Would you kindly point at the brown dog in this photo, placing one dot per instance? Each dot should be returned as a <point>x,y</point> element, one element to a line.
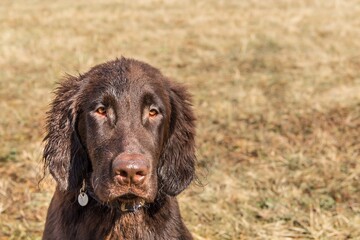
<point>120,144</point>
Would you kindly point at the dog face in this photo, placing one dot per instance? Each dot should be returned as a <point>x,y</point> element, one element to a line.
<point>123,124</point>
<point>126,129</point>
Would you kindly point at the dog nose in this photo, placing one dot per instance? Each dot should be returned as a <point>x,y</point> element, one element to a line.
<point>130,168</point>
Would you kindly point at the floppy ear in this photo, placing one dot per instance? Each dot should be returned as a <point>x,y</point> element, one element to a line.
<point>177,163</point>
<point>63,152</point>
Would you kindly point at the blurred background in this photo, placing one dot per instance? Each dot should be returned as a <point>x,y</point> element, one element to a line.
<point>276,88</point>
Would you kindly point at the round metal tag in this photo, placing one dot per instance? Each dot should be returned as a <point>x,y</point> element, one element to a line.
<point>83,199</point>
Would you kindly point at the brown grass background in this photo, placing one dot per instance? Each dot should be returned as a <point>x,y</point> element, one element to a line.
<point>276,90</point>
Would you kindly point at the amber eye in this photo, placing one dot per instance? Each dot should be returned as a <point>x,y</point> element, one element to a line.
<point>101,111</point>
<point>153,112</point>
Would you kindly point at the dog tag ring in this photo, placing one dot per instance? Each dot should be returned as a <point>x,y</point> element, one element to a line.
<point>83,198</point>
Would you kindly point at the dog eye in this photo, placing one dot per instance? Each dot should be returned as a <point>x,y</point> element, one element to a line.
<point>101,111</point>
<point>153,112</point>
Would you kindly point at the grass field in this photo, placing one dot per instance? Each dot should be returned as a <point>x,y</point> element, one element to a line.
<point>276,88</point>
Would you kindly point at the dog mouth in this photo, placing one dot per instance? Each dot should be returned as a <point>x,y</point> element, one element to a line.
<point>128,197</point>
<point>130,202</point>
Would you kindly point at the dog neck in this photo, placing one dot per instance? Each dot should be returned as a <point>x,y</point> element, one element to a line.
<point>115,224</point>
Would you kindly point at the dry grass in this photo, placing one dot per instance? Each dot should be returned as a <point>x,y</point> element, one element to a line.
<point>276,88</point>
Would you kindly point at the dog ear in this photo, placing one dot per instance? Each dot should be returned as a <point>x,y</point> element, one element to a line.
<point>63,152</point>
<point>177,162</point>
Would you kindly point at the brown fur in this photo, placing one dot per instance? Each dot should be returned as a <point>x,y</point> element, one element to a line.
<point>81,144</point>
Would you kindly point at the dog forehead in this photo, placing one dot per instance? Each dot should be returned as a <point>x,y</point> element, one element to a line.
<point>123,73</point>
<point>123,80</point>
